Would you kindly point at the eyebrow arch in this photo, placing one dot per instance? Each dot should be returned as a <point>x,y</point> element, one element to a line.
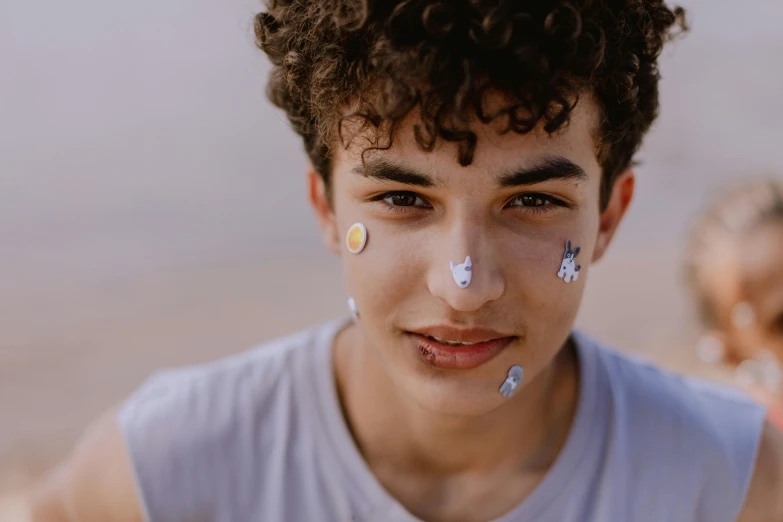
<point>556,168</point>
<point>383,170</point>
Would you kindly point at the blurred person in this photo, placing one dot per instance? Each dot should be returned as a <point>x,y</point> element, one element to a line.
<point>469,162</point>
<point>735,268</point>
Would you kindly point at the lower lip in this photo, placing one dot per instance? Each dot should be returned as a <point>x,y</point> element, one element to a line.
<point>463,357</point>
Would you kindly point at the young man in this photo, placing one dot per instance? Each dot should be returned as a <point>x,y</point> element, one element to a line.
<point>470,161</point>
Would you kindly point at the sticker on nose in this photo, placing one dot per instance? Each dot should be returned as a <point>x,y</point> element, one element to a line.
<point>462,273</point>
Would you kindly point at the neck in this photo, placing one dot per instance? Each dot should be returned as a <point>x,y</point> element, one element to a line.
<point>525,434</point>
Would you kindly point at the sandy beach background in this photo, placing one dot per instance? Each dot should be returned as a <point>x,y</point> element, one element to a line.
<point>153,212</point>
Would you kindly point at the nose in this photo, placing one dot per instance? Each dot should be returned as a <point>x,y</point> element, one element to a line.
<point>465,290</point>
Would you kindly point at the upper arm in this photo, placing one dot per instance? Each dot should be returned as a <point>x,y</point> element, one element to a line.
<point>764,501</point>
<point>95,484</point>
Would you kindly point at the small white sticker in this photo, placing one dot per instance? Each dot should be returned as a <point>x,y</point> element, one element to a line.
<point>569,270</point>
<point>352,306</point>
<point>512,382</point>
<point>462,273</point>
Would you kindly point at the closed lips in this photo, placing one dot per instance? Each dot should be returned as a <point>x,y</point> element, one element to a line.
<point>460,336</point>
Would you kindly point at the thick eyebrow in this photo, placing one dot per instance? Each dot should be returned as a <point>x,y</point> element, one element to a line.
<point>556,168</point>
<point>384,170</point>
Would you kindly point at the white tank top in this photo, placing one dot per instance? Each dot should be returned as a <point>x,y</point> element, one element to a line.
<point>260,437</point>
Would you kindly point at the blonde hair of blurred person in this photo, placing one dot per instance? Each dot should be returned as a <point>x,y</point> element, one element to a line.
<point>735,270</point>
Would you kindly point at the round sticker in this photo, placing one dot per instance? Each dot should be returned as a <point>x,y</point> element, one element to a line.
<point>356,238</point>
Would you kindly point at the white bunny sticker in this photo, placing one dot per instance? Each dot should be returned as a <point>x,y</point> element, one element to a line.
<point>569,270</point>
<point>462,272</point>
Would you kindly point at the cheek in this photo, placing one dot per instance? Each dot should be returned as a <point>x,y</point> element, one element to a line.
<point>532,266</point>
<point>386,272</point>
<point>532,259</point>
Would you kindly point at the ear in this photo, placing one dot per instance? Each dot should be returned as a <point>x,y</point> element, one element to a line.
<point>467,261</point>
<point>568,245</point>
<point>452,265</point>
<point>576,252</point>
<point>323,211</point>
<point>620,199</point>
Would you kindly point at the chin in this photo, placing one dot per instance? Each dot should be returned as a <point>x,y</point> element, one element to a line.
<point>450,394</point>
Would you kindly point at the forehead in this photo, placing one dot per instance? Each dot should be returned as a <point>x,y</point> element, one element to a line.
<point>495,150</point>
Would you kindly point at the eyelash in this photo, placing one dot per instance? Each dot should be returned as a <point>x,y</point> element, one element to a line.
<point>549,202</point>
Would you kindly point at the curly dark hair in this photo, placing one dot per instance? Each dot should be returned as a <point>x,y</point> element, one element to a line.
<point>373,62</point>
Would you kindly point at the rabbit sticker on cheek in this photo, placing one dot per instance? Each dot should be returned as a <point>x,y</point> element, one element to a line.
<point>569,270</point>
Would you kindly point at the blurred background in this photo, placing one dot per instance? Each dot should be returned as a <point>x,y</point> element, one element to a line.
<point>153,209</point>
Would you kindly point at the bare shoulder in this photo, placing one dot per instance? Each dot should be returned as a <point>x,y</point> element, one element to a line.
<point>95,483</point>
<point>764,501</point>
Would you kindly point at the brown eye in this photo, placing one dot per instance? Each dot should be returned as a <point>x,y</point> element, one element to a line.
<point>405,199</point>
<point>533,201</point>
<point>402,200</point>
